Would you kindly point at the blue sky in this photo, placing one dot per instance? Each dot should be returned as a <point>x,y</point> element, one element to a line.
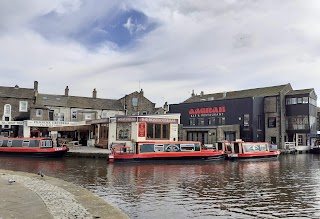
<point>167,48</point>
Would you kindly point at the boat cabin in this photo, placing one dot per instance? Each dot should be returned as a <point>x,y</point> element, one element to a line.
<point>26,142</point>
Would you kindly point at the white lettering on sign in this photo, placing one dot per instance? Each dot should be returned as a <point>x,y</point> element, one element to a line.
<point>11,122</point>
<point>158,120</point>
<point>39,123</point>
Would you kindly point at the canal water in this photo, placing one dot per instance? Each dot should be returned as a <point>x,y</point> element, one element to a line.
<point>285,188</point>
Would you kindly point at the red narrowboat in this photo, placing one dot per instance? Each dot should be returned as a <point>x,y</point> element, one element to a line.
<point>175,150</point>
<point>34,147</point>
<point>248,150</point>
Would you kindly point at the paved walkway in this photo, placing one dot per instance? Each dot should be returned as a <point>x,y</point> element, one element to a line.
<point>30,196</point>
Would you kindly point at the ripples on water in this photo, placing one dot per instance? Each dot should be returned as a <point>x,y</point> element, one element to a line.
<point>284,188</point>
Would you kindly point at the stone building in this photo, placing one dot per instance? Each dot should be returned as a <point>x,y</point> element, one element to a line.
<point>26,111</point>
<point>275,114</point>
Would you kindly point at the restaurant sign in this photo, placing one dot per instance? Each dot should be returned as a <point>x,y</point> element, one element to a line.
<point>38,123</point>
<point>11,122</point>
<point>208,111</point>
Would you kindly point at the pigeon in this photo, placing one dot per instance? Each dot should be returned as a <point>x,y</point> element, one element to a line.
<point>40,174</point>
<point>10,181</point>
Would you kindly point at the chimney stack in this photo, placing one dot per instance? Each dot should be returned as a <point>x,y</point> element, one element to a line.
<point>66,91</point>
<point>35,85</point>
<point>94,93</point>
<point>192,94</point>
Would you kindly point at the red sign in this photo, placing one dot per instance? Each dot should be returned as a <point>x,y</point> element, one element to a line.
<point>208,110</point>
<point>142,129</point>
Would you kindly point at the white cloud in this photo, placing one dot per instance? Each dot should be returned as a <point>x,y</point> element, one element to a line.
<point>208,45</point>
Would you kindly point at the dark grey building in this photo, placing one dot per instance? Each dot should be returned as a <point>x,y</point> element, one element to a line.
<point>275,114</point>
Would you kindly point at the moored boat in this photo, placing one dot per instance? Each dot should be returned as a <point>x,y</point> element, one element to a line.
<point>248,150</point>
<point>143,151</point>
<point>315,149</point>
<point>35,147</point>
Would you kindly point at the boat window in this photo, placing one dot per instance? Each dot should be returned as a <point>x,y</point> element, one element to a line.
<point>187,147</point>
<point>9,144</point>
<point>146,148</point>
<point>158,147</point>
<point>263,147</point>
<point>25,143</point>
<point>46,143</point>
<point>1,142</point>
<point>254,147</point>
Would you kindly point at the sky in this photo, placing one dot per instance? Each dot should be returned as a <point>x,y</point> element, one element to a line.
<point>167,48</point>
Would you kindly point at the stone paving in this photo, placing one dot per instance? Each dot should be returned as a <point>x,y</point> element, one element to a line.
<point>52,200</point>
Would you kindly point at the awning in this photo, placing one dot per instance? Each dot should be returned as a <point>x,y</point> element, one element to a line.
<point>71,128</point>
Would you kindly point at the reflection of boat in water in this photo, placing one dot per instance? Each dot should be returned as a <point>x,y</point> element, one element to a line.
<point>35,147</point>
<point>249,150</point>
<point>143,151</point>
<point>315,149</point>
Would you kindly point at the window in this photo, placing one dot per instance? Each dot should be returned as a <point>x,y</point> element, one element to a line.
<point>1,142</point>
<point>123,131</point>
<point>9,144</point>
<point>104,115</point>
<point>273,140</point>
<point>192,121</point>
<point>288,101</point>
<point>246,120</point>
<point>134,101</point>
<point>50,114</point>
<point>74,114</point>
<point>87,116</point>
<point>200,121</point>
<point>144,113</point>
<point>59,116</point>
<point>272,122</point>
<point>293,100</point>
<point>7,110</point>
<point>23,106</point>
<point>39,112</point>
<point>157,131</point>
<point>211,121</point>
<point>221,120</point>
<point>25,143</point>
<point>305,100</point>
<point>300,137</point>
<point>299,100</point>
<point>297,122</point>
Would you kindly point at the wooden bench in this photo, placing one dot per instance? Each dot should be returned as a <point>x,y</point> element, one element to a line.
<point>74,144</point>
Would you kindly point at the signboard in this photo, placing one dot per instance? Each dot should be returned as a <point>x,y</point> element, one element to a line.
<point>126,119</point>
<point>142,129</point>
<point>38,123</point>
<point>158,120</point>
<point>11,122</point>
<point>97,121</point>
<point>207,111</point>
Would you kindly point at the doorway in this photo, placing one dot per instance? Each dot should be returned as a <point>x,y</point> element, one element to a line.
<point>201,136</point>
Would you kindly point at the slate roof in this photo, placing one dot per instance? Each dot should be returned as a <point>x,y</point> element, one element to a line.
<point>78,102</point>
<point>304,91</point>
<point>16,92</point>
<point>255,92</point>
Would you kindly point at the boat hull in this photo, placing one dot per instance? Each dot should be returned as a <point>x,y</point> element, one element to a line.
<point>260,155</point>
<point>52,152</point>
<point>207,156</point>
<point>315,150</point>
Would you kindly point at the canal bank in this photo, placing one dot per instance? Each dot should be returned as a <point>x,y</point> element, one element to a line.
<point>26,195</point>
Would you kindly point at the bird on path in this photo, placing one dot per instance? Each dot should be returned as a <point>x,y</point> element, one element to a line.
<point>40,174</point>
<point>10,181</point>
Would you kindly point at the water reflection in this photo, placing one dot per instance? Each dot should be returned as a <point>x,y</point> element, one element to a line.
<point>282,188</point>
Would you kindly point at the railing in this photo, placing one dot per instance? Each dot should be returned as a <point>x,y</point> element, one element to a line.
<point>290,145</point>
